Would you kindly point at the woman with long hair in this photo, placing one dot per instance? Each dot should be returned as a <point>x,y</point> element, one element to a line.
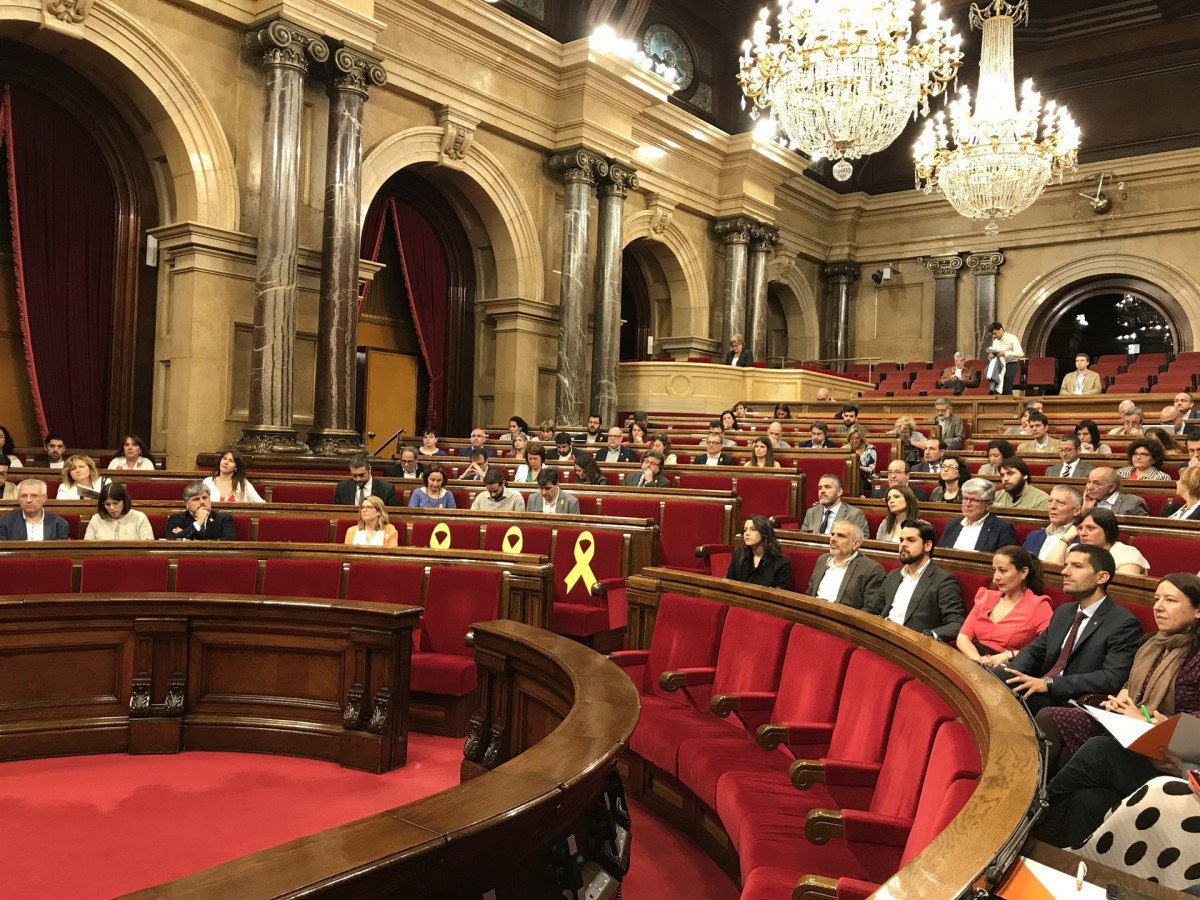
<point>760,560</point>
<point>7,448</point>
<point>373,529</point>
<point>729,421</point>
<point>637,434</point>
<point>115,519</point>
<point>1088,433</point>
<point>902,505</point>
<point>1010,614</point>
<point>80,479</point>
<point>761,455</point>
<point>662,444</point>
<point>516,425</point>
<point>535,458</point>
<point>866,457</point>
<point>587,471</point>
<point>434,494</point>
<point>520,443</point>
<point>228,482</point>
<point>134,455</point>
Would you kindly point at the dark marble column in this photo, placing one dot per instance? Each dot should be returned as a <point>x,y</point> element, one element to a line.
<point>606,317</point>
<point>579,169</point>
<point>762,242</point>
<point>945,271</point>
<point>840,276</point>
<point>351,73</point>
<point>286,50</point>
<point>735,235</point>
<point>986,268</point>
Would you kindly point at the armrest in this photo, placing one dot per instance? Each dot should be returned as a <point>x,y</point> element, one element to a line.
<point>771,736</point>
<point>864,827</point>
<point>748,701</point>
<point>851,774</point>
<point>804,773</point>
<point>704,551</point>
<point>815,887</point>
<point>604,585</point>
<point>853,889</point>
<point>822,825</point>
<point>674,679</point>
<point>627,659</point>
<point>790,523</point>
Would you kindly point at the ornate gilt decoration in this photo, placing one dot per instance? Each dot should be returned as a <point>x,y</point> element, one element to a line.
<point>174,702</point>
<point>352,714</point>
<point>618,181</point>
<point>335,443</point>
<point>139,697</point>
<point>458,133</point>
<point>379,716</point>
<point>842,272</point>
<point>944,266</point>
<point>985,263</point>
<point>69,12</point>
<point>283,43</point>
<point>579,166</point>
<point>351,70</point>
<point>269,439</point>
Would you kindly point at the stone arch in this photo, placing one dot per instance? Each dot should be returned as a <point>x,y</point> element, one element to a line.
<point>1035,301</point>
<point>482,181</point>
<point>799,307</point>
<point>151,83</point>
<point>682,268</point>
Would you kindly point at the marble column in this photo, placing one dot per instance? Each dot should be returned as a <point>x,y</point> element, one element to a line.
<point>986,268</point>
<point>840,275</point>
<point>762,242</point>
<point>945,271</point>
<point>579,169</point>
<point>735,235</point>
<point>606,316</point>
<point>351,73</point>
<point>285,50</point>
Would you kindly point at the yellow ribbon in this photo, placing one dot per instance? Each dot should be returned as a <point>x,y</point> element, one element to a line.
<point>441,530</point>
<point>583,556</point>
<point>513,546</point>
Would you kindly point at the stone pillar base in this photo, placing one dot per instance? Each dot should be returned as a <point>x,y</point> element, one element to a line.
<point>269,439</point>
<point>335,442</point>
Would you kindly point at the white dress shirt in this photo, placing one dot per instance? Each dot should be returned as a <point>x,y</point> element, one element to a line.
<point>835,574</point>
<point>1053,533</point>
<point>904,593</point>
<point>712,460</point>
<point>1185,511</point>
<point>1079,382</point>
<point>969,536</point>
<point>35,531</point>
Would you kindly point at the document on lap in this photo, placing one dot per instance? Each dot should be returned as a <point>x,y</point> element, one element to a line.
<point>1180,734</point>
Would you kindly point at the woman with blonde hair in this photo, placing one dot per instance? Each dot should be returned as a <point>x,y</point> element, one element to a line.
<point>911,440</point>
<point>373,529</point>
<point>81,480</point>
<point>856,443</point>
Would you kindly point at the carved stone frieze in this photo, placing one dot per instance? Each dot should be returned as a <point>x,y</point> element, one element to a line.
<point>283,43</point>
<point>662,212</point>
<point>985,263</point>
<point>458,133</point>
<point>69,12</point>
<point>944,266</point>
<point>579,165</point>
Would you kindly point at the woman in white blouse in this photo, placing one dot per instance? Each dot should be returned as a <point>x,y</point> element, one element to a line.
<point>373,529</point>
<point>81,480</point>
<point>135,455</point>
<point>228,484</point>
<point>116,520</point>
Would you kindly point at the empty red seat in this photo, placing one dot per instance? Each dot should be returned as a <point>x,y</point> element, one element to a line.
<point>631,507</point>
<point>444,535</point>
<point>197,575</point>
<point>379,582</point>
<point>803,562</point>
<point>1168,554</point>
<point>455,599</point>
<point>286,529</point>
<point>1042,371</point>
<point>687,525</point>
<point>583,558</point>
<point>153,489</point>
<point>302,493</point>
<point>137,574</point>
<point>51,575</point>
<point>764,495</point>
<point>318,578</point>
<point>507,537</point>
<point>158,524</point>
<point>706,482</point>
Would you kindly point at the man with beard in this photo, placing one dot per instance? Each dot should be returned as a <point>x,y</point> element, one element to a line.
<point>1018,493</point>
<point>920,595</point>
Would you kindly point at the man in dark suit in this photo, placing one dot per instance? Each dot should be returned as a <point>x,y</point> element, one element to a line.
<point>652,462</point>
<point>360,484</point>
<point>978,529</point>
<point>738,355</point>
<point>615,451</point>
<point>408,467</point>
<point>829,508</point>
<point>843,575</point>
<point>31,522</point>
<point>198,522</point>
<point>713,455</point>
<point>920,595</point>
<point>1071,466</point>
<point>1103,488</point>
<point>1089,645</point>
<point>818,438</point>
<point>934,451</point>
<point>897,476</point>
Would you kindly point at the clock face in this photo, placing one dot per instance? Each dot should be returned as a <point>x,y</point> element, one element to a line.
<point>667,46</point>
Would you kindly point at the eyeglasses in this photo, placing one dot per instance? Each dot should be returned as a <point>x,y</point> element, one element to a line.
<point>1140,453</point>
<point>973,500</point>
<point>948,466</point>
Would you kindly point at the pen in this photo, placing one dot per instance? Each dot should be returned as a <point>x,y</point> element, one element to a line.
<point>1146,713</point>
<point>1082,870</point>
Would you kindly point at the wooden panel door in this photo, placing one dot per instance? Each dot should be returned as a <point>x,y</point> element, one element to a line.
<point>391,396</point>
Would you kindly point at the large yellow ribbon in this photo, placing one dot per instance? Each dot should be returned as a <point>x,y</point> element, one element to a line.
<point>583,556</point>
<point>510,545</point>
<point>442,531</point>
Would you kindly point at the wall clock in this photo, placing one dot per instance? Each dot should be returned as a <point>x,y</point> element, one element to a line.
<point>667,45</point>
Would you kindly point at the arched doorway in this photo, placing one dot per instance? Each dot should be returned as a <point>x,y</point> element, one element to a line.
<point>1106,315</point>
<point>635,310</point>
<point>778,346</point>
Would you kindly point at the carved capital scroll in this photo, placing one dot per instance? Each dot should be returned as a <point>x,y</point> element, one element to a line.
<point>352,70</point>
<point>944,266</point>
<point>579,165</point>
<point>283,43</point>
<point>985,263</point>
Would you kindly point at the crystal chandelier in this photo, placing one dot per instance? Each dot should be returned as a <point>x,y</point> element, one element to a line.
<point>845,75</point>
<point>999,167</point>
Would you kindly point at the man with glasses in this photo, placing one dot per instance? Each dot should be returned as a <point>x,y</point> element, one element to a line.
<point>1071,466</point>
<point>897,476</point>
<point>950,425</point>
<point>978,529</point>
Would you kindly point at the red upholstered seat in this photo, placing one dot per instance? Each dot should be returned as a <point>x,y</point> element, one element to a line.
<point>576,552</point>
<point>340,527</point>
<point>158,524</point>
<point>1167,554</point>
<point>630,507</point>
<point>291,530</point>
<point>196,575</point>
<point>1155,500</point>
<point>51,575</point>
<point>530,538</point>
<point>763,495</point>
<point>241,525</point>
<point>587,504</point>
<point>302,493</point>
<point>377,582</point>
<point>706,482</point>
<point>124,574</point>
<point>73,531</point>
<point>1024,529</point>
<point>462,535</point>
<point>970,584</point>
<point>148,489</point>
<point>319,578</point>
<point>455,599</point>
<point>803,564</point>
<point>813,468</point>
<point>685,526</point>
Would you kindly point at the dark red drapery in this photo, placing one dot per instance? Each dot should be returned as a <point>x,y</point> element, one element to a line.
<point>423,267</point>
<point>63,209</point>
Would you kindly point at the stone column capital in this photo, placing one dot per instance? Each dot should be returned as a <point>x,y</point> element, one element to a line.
<point>988,263</point>
<point>843,271</point>
<point>944,266</point>
<point>354,71</point>
<point>618,181</point>
<point>579,166</point>
<point>735,230</point>
<point>284,44</point>
<point>763,238</point>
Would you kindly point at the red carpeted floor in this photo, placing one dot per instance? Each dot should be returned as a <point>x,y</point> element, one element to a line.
<point>133,821</point>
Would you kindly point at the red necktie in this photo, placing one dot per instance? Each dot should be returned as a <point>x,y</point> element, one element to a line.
<point>1068,645</point>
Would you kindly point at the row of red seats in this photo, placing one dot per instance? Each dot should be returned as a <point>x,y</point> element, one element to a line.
<point>873,743</point>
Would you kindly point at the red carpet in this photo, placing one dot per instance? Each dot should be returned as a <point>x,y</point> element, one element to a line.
<point>128,822</point>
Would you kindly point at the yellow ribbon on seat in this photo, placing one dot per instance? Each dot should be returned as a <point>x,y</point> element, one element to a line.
<point>583,558</point>
<point>513,546</point>
<point>440,539</point>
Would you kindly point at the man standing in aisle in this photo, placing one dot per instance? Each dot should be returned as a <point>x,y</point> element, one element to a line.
<point>1003,355</point>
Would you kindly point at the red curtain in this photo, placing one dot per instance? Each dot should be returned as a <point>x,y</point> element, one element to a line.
<point>63,209</point>
<point>423,267</point>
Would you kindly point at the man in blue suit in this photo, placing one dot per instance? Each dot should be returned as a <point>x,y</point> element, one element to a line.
<point>1062,506</point>
<point>31,523</point>
<point>978,529</point>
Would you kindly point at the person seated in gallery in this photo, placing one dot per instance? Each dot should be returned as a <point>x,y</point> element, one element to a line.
<point>902,506</point>
<point>8,448</point>
<point>1098,527</point>
<point>818,438</point>
<point>433,493</point>
<point>652,462</point>
<point>958,376</point>
<point>638,434</point>
<point>713,454</point>
<point>478,468</point>
<point>897,476</point>
<point>865,457</point>
<point>1146,460</point>
<point>1083,380</point>
<point>516,425</point>
<point>478,439</point>
<point>1063,505</point>
<point>31,522</point>
<point>823,396</point>
<point>8,489</point>
<point>1132,420</point>
<point>1103,489</point>
<point>550,498</point>
<point>920,594</point>
<point>1187,488</point>
<point>729,421</point>
<point>407,466</point>
<point>951,431</point>
<point>535,459</point>
<point>759,560</point>
<point>134,455</point>
<point>912,442</point>
<point>198,522</point>
<point>1018,493</point>
<point>782,411</point>
<point>228,482</point>
<point>362,483</point>
<point>80,479</point>
<point>1186,404</point>
<point>587,472</point>
<point>615,450</point>
<point>546,432</point>
<point>115,518</point>
<point>1071,466</point>
<point>830,509</point>
<point>951,474</point>
<point>564,449</point>
<point>1170,419</point>
<point>997,452</point>
<point>1039,437</point>
<point>1008,616</point>
<point>429,444</point>
<point>594,434</point>
<point>843,575</point>
<point>761,455</point>
<point>497,496</point>
<point>373,528</point>
<point>55,447</point>
<point>978,529</point>
<point>849,418</point>
<point>661,443</point>
<point>775,436</point>
<point>1088,433</point>
<point>715,427</point>
<point>1021,429</point>
<point>932,457</point>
